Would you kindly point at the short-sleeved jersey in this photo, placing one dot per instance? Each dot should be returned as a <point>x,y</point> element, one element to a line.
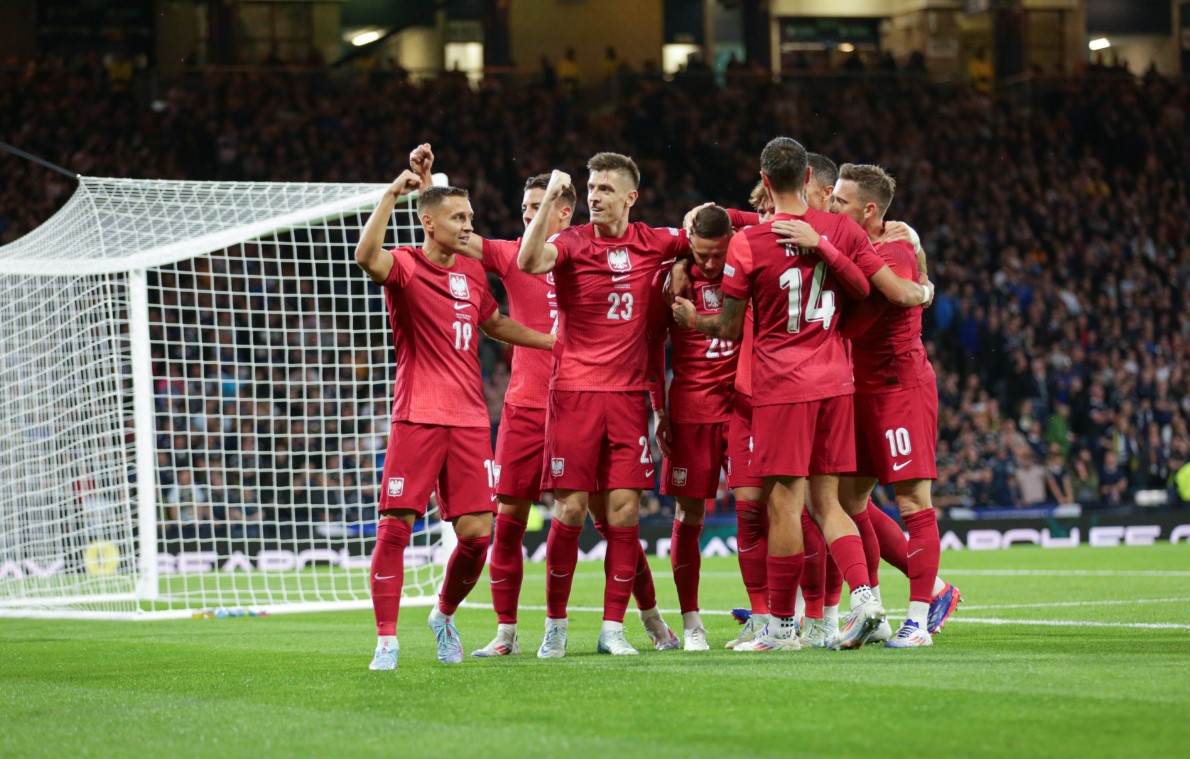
<point>890,356</point>
<point>798,354</point>
<point>435,315</point>
<point>604,297</point>
<point>743,371</point>
<point>532,301</point>
<point>703,367</point>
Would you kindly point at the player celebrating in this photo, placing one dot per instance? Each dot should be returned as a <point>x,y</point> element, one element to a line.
<point>896,402</point>
<point>520,443</point>
<point>802,415</point>
<point>440,439</point>
<point>597,435</point>
<point>693,434</point>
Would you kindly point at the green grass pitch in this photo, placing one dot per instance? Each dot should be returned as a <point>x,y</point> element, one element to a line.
<point>1082,652</point>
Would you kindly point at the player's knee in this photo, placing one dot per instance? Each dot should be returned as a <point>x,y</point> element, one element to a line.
<point>913,496</point>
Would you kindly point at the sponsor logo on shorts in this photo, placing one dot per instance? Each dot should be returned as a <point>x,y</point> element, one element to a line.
<point>899,467</point>
<point>459,287</point>
<point>678,476</point>
<point>557,467</point>
<point>618,260</point>
<point>712,298</point>
<point>396,487</point>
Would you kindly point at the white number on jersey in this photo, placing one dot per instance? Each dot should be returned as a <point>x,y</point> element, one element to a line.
<point>719,348</point>
<point>621,308</point>
<point>898,442</point>
<point>463,334</point>
<point>821,306</point>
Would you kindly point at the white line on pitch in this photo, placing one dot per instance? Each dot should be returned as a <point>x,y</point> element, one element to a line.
<point>1119,602</point>
<point>953,619</point>
<point>975,573</point>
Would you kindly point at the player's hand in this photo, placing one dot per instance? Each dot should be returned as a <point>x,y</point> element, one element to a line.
<point>925,282</point>
<point>896,231</point>
<point>404,184</point>
<point>688,219</point>
<point>678,284</point>
<point>663,432</point>
<point>684,312</point>
<point>796,232</point>
<point>421,161</point>
<point>559,181</point>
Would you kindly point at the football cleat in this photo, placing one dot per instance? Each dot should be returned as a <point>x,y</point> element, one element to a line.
<point>882,633</point>
<point>861,623</point>
<point>910,636</point>
<point>767,642</point>
<point>818,633</point>
<point>553,646</point>
<point>614,643</point>
<point>741,615</point>
<point>695,640</point>
<point>501,645</point>
<point>941,607</point>
<point>450,648</point>
<point>385,658</point>
<point>662,636</point>
<point>752,628</point>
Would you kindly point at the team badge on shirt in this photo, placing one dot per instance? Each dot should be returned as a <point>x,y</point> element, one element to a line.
<point>712,298</point>
<point>396,487</point>
<point>458,286</point>
<point>678,476</point>
<point>618,260</point>
<point>557,467</point>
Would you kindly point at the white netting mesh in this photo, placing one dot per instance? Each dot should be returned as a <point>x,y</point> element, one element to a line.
<point>271,381</point>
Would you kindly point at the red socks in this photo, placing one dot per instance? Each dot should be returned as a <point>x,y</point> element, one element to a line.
<point>507,568</point>
<point>813,580</point>
<point>924,550</point>
<point>619,569</point>
<point>685,557</point>
<point>848,552</point>
<point>462,572</point>
<point>871,545</point>
<point>783,575</point>
<point>834,583</point>
<point>388,573</point>
<point>561,556</point>
<point>752,543</point>
<point>643,589</point>
<point>892,540</point>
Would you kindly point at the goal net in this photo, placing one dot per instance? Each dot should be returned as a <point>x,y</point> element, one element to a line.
<point>195,386</point>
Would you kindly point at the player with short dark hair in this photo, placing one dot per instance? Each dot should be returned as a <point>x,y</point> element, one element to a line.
<point>440,439</point>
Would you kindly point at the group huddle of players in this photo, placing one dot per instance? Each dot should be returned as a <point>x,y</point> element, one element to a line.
<point>797,368</point>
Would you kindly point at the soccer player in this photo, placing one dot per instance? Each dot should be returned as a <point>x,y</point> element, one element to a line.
<point>896,402</point>
<point>597,435</point>
<point>440,439</point>
<point>802,414</point>
<point>693,433</point>
<point>520,443</point>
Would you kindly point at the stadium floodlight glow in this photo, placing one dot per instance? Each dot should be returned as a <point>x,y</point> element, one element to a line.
<point>366,38</point>
<point>1099,43</point>
<point>846,47</point>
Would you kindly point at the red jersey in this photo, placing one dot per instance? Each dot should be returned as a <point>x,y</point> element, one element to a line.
<point>435,315</point>
<point>532,301</point>
<point>889,355</point>
<point>798,353</point>
<point>743,372</point>
<point>604,298</point>
<point>703,367</point>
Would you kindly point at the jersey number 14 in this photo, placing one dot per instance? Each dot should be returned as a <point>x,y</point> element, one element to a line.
<point>820,306</point>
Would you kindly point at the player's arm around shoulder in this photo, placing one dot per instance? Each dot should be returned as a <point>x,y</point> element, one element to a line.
<point>506,330</point>
<point>369,252</point>
<point>537,255</point>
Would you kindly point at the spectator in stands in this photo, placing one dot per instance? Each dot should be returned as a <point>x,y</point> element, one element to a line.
<point>1113,480</point>
<point>188,508</point>
<point>1030,478</point>
<point>1058,484</point>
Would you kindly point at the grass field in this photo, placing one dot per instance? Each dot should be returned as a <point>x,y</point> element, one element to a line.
<point>1081,652</point>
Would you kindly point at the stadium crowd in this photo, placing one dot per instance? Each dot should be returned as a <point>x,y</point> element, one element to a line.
<point>1054,215</point>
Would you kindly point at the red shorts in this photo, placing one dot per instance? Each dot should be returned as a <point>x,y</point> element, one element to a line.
<point>804,439</point>
<point>520,446</point>
<point>698,454</point>
<point>454,462</point>
<point>739,445</point>
<point>896,434</point>
<point>597,441</point>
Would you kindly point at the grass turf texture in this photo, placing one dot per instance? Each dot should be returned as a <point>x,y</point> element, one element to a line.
<point>996,681</point>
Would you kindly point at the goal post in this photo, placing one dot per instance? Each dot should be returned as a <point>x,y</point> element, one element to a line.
<point>195,391</point>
